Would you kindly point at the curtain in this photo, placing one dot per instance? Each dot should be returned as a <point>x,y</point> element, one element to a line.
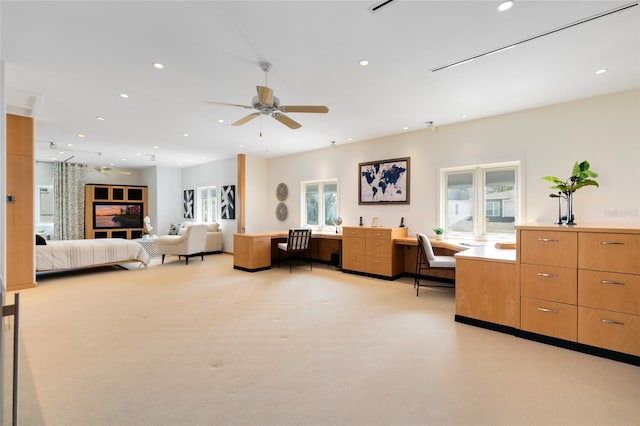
<point>68,186</point>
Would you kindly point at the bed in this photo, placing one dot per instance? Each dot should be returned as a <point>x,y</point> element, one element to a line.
<point>73,254</point>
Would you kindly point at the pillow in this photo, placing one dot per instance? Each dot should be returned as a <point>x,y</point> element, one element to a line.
<point>40,241</point>
<point>173,229</point>
<point>213,227</point>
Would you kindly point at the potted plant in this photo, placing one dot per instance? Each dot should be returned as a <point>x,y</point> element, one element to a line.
<point>580,177</point>
<point>439,232</point>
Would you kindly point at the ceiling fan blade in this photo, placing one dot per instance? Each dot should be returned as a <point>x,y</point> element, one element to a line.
<point>292,124</point>
<point>122,172</point>
<point>246,119</point>
<point>265,95</point>
<point>304,108</point>
<point>226,104</point>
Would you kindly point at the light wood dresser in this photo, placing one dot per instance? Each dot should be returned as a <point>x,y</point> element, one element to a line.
<point>371,251</point>
<point>581,284</point>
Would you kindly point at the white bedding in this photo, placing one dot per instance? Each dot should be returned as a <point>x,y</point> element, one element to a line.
<point>70,254</point>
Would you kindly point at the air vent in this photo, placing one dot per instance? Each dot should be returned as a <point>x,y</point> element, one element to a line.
<point>376,7</point>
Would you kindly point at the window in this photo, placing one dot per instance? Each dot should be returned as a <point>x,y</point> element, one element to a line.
<point>482,200</point>
<point>320,204</point>
<point>207,204</point>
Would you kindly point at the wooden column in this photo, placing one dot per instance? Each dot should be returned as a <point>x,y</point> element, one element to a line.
<point>20,234</point>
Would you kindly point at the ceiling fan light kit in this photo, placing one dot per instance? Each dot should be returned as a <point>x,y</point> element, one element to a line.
<point>267,104</point>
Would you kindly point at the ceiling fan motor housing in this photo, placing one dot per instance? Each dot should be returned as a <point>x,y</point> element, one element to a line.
<point>265,109</point>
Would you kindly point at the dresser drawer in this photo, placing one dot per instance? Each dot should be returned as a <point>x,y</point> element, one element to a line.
<point>379,248</point>
<point>353,246</point>
<point>609,252</point>
<point>353,263</point>
<point>378,266</point>
<point>353,232</point>
<point>552,283</point>
<point>610,291</point>
<point>555,248</point>
<point>379,234</point>
<point>549,318</point>
<point>609,330</point>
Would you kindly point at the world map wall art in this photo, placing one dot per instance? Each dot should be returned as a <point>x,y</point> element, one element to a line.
<point>384,182</point>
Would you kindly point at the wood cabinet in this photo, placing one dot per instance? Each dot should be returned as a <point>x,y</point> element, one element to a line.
<point>370,250</point>
<point>487,290</point>
<point>609,291</point>
<point>548,283</point>
<point>582,284</point>
<point>251,252</point>
<point>128,197</point>
<point>20,235</point>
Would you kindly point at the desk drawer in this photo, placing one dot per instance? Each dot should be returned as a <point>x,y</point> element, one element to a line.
<point>348,231</point>
<point>555,248</point>
<point>552,283</point>
<point>379,234</point>
<point>550,318</point>
<point>602,251</point>
<point>378,265</point>
<point>609,330</point>
<point>378,248</point>
<point>610,291</point>
<point>353,262</point>
<point>353,246</point>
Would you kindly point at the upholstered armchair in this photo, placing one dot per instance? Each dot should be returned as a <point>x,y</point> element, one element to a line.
<point>190,243</point>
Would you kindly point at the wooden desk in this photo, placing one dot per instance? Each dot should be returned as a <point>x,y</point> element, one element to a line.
<point>256,252</point>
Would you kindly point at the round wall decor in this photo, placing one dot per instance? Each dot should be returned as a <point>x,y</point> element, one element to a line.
<point>282,191</point>
<point>281,212</point>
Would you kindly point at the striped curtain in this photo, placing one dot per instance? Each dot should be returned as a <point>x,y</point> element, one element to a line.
<point>68,186</point>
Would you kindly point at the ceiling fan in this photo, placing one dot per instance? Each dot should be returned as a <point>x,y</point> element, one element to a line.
<point>107,170</point>
<point>267,104</point>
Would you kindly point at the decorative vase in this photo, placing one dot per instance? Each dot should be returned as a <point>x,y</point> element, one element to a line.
<point>570,218</point>
<point>439,236</point>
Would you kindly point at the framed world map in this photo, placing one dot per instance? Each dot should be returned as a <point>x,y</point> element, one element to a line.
<point>384,182</point>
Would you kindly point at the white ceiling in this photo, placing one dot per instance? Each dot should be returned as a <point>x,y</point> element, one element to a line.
<point>67,62</point>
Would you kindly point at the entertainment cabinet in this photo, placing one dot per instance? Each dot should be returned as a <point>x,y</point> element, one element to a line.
<point>124,197</point>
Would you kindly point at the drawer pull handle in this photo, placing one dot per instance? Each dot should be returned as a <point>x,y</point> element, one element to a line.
<point>611,243</point>
<point>547,275</point>
<point>607,321</point>
<point>548,240</point>
<point>611,282</point>
<point>551,311</point>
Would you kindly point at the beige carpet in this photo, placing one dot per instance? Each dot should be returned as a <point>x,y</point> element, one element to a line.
<point>204,344</point>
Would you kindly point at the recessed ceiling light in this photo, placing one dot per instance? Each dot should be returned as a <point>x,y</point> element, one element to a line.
<point>80,135</point>
<point>112,164</point>
<point>69,144</point>
<point>124,95</point>
<point>221,121</point>
<point>155,147</point>
<point>124,159</point>
<point>99,117</point>
<point>138,153</point>
<point>185,134</point>
<point>405,128</point>
<point>364,62</point>
<point>464,116</point>
<point>158,65</point>
<point>602,71</point>
<point>61,152</point>
<point>505,5</point>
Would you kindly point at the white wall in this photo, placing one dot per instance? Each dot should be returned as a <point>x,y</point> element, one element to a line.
<point>216,173</point>
<point>168,199</point>
<point>604,130</point>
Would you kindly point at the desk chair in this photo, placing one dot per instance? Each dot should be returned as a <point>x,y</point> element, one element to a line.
<point>298,246</point>
<point>426,260</point>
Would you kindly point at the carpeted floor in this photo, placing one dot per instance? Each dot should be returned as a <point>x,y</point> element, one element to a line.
<point>204,344</point>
